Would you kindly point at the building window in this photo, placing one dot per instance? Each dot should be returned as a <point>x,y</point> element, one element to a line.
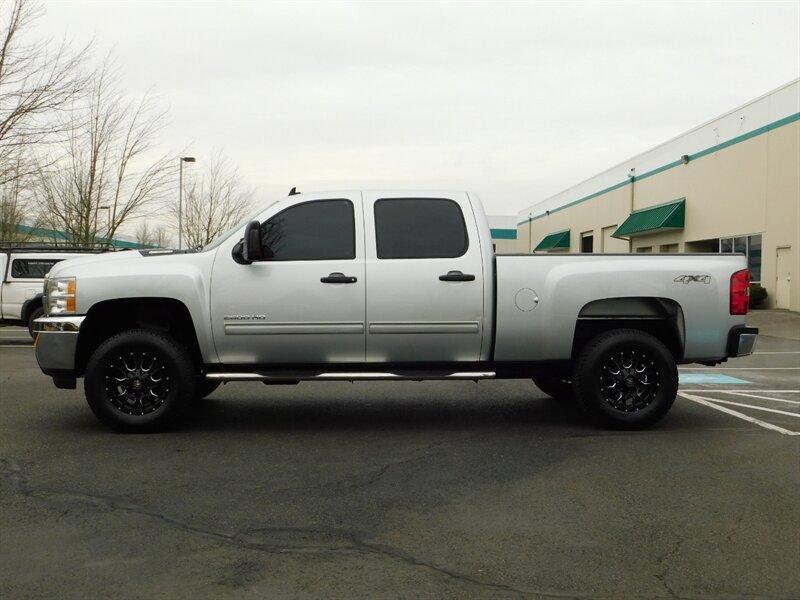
<point>750,246</point>
<point>668,248</point>
<point>587,242</point>
<point>645,249</point>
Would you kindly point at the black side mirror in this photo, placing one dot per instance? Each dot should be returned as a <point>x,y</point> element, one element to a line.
<point>252,250</point>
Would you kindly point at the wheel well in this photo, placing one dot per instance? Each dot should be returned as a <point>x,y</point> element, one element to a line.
<point>108,318</point>
<point>660,317</point>
<point>29,307</point>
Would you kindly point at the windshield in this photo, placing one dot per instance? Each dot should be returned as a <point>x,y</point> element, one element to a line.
<point>237,227</point>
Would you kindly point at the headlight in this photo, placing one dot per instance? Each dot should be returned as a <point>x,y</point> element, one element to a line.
<point>59,296</point>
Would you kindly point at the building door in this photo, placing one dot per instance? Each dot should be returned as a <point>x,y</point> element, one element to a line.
<point>783,279</point>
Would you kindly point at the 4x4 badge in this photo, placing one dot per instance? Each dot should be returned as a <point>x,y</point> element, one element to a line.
<point>693,278</point>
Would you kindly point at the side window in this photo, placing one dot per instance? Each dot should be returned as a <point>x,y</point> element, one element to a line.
<point>31,268</point>
<point>317,230</point>
<point>419,228</point>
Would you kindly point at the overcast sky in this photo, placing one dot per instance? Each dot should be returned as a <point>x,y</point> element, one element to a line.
<point>515,101</point>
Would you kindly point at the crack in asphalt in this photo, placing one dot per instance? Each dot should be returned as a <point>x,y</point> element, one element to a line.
<point>301,540</point>
<point>663,562</point>
<point>379,470</point>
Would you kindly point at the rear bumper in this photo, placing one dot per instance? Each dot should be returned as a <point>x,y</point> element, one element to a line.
<point>56,343</point>
<point>742,341</point>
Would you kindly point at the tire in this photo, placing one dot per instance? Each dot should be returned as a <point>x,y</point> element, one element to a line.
<point>626,379</point>
<point>139,381</point>
<point>555,386</point>
<point>35,314</point>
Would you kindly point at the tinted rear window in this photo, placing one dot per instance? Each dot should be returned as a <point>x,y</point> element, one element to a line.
<point>419,228</point>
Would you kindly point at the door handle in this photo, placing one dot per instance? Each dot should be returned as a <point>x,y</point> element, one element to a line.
<point>456,276</point>
<point>338,278</point>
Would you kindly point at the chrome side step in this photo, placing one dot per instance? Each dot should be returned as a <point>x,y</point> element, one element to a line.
<point>352,376</point>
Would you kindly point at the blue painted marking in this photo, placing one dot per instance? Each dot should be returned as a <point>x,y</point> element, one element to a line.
<point>713,378</point>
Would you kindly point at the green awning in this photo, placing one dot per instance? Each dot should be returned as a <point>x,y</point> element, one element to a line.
<point>664,217</point>
<point>555,241</point>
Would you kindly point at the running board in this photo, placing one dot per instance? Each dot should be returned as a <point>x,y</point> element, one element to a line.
<point>351,376</point>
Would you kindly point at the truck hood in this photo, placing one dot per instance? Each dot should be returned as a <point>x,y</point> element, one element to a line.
<point>111,260</point>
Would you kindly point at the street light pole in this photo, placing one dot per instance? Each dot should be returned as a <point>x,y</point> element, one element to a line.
<point>108,224</point>
<point>183,159</point>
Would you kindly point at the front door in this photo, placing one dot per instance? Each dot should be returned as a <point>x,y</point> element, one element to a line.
<point>306,303</point>
<point>424,279</point>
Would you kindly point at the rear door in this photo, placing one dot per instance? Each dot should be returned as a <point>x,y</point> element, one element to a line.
<point>424,279</point>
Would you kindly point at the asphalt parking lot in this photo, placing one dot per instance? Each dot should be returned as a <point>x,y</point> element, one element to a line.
<point>407,490</point>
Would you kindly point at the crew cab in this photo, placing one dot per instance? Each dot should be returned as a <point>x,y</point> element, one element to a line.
<point>385,285</point>
<point>23,268</point>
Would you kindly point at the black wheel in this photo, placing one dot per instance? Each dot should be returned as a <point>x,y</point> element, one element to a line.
<point>35,314</point>
<point>626,379</point>
<point>555,387</point>
<point>139,381</point>
<point>205,387</point>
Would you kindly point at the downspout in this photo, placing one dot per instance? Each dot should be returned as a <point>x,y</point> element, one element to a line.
<point>632,177</point>
<point>530,234</point>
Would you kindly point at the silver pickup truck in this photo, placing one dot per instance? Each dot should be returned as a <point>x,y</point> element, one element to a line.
<point>394,285</point>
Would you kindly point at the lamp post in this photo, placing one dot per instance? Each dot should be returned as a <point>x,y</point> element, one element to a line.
<point>108,224</point>
<point>183,159</point>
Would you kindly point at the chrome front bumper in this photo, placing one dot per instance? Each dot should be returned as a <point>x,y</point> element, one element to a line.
<point>56,342</point>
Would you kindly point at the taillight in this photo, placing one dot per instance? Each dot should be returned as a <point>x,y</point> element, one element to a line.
<point>740,292</point>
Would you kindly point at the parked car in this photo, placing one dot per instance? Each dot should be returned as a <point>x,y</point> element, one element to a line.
<point>23,268</point>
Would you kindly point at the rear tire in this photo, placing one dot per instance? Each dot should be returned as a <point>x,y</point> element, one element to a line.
<point>139,381</point>
<point>35,314</point>
<point>626,379</point>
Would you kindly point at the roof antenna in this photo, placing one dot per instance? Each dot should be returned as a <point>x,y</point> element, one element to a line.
<point>293,191</point>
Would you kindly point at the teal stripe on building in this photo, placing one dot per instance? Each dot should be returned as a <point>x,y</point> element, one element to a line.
<point>677,163</point>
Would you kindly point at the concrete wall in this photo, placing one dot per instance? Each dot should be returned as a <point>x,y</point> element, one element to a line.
<point>742,178</point>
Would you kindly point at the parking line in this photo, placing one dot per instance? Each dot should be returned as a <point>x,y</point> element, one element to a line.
<point>780,352</point>
<point>741,368</point>
<point>764,397</point>
<point>750,391</point>
<point>764,408</point>
<point>710,403</point>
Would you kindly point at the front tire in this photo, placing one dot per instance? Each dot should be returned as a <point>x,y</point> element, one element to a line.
<point>626,379</point>
<point>139,381</point>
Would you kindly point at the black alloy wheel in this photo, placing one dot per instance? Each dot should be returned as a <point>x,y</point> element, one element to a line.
<point>626,379</point>
<point>139,381</point>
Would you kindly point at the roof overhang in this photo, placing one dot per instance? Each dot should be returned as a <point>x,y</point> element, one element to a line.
<point>558,240</point>
<point>670,216</point>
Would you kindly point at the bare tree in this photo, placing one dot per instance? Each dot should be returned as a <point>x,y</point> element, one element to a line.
<point>15,208</point>
<point>106,162</point>
<point>157,237</point>
<point>38,81</point>
<point>214,203</point>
